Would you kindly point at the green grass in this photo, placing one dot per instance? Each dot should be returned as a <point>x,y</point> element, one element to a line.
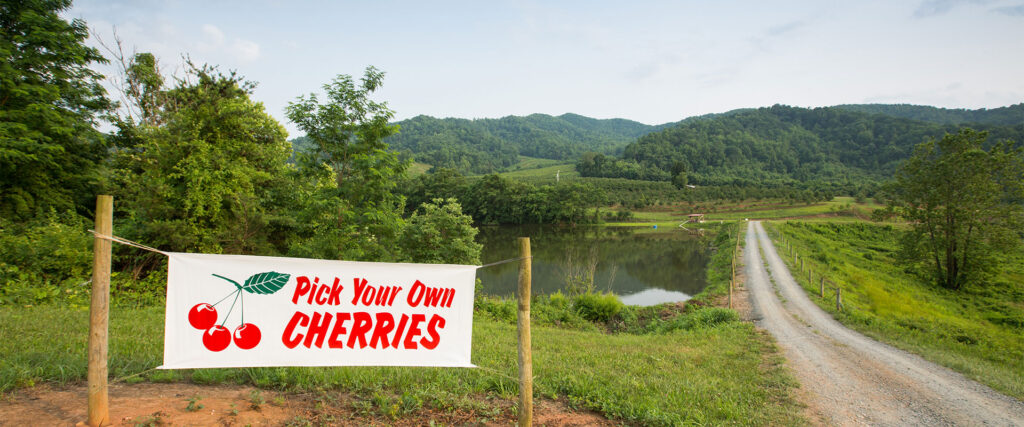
<point>661,365</point>
<point>526,162</point>
<point>842,209</point>
<point>418,168</point>
<point>544,175</point>
<point>978,331</point>
<point>719,373</point>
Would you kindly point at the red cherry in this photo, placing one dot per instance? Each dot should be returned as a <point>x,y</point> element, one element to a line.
<point>202,316</point>
<point>217,338</point>
<point>247,336</point>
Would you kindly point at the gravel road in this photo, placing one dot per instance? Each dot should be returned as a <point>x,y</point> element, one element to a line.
<point>850,379</point>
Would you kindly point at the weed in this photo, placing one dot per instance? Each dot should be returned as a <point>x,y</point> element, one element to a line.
<point>256,400</point>
<point>193,404</point>
<point>299,421</point>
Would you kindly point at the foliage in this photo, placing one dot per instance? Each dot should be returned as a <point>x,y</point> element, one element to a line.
<point>490,145</point>
<point>350,205</point>
<point>719,271</point>
<point>774,146</point>
<point>1008,116</point>
<point>978,330</point>
<point>496,200</point>
<point>203,177</point>
<point>49,101</point>
<point>440,233</point>
<point>47,260</point>
<point>964,206</point>
<point>598,307</point>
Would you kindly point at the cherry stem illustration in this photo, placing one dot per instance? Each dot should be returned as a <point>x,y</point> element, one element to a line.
<point>237,294</point>
<point>232,281</point>
<point>226,297</point>
<point>242,308</point>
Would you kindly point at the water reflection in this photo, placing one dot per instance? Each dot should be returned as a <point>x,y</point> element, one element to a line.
<point>643,266</point>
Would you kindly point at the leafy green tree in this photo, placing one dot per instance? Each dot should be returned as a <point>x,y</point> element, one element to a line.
<point>49,101</point>
<point>205,168</point>
<point>440,233</point>
<point>964,204</point>
<point>352,207</point>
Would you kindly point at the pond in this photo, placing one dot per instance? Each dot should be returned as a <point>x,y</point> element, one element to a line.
<point>642,266</point>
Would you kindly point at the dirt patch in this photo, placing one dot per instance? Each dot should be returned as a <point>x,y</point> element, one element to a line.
<point>189,404</point>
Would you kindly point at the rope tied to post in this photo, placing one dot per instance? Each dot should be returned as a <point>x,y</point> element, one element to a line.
<point>124,241</point>
<point>504,261</point>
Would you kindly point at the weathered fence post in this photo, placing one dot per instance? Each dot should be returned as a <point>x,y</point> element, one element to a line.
<point>823,286</point>
<point>809,276</point>
<point>99,411</point>
<point>801,264</point>
<point>525,355</point>
<point>839,299</point>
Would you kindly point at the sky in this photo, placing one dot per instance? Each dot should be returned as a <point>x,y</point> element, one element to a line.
<point>649,61</point>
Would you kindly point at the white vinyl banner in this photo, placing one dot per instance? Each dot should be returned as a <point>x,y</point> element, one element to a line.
<point>241,311</point>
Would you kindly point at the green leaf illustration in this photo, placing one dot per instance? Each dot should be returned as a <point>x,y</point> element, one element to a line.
<point>265,283</point>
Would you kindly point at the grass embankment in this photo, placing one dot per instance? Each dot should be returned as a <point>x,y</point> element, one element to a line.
<point>844,209</point>
<point>978,331</point>
<point>839,209</point>
<point>669,364</point>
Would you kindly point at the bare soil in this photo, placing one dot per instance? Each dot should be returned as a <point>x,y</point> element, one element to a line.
<point>177,404</point>
<point>849,379</point>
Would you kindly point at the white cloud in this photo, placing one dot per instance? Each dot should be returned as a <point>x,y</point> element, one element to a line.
<point>214,43</point>
<point>213,34</point>
<point>246,50</point>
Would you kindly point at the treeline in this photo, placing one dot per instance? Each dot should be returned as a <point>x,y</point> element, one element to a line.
<point>489,145</point>
<point>194,165</point>
<point>635,194</point>
<point>496,200</point>
<point>1004,116</point>
<point>775,146</point>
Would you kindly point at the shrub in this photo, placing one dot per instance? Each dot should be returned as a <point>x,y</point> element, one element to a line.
<point>45,261</point>
<point>598,307</point>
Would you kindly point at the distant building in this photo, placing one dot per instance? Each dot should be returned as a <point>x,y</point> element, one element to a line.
<point>691,186</point>
<point>698,218</point>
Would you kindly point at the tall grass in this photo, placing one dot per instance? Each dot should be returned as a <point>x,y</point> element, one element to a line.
<point>978,331</point>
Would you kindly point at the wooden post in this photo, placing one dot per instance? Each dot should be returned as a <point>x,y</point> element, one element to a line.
<point>730,294</point>
<point>808,276</point>
<point>801,264</point>
<point>823,286</point>
<point>525,355</point>
<point>99,412</point>
<point>839,299</point>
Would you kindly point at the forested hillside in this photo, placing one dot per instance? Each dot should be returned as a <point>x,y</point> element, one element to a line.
<point>488,145</point>
<point>776,145</point>
<point>1007,116</point>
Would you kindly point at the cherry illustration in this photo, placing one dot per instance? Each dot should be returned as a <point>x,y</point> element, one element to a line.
<point>247,336</point>
<point>217,338</point>
<point>202,316</point>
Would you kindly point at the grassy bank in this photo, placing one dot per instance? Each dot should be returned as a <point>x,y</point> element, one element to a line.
<point>708,373</point>
<point>978,331</point>
<point>662,365</point>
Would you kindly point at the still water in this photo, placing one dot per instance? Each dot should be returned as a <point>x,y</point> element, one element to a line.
<point>642,266</point>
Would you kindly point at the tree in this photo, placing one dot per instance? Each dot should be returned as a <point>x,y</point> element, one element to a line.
<point>49,102</point>
<point>353,210</point>
<point>440,233</point>
<point>204,168</point>
<point>964,205</point>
